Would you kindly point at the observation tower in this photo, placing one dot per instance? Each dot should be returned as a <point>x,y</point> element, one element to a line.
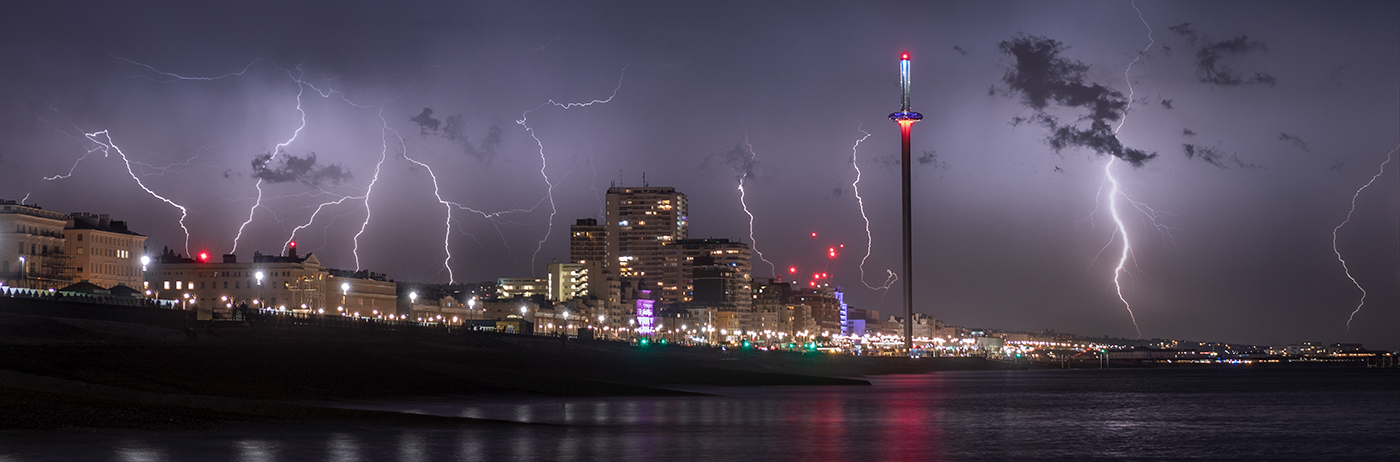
<point>906,118</point>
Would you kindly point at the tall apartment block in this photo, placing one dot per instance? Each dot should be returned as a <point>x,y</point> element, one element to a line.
<point>640,222</point>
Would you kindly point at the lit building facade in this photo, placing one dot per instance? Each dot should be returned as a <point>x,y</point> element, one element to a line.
<point>639,222</point>
<point>566,281</point>
<point>103,251</point>
<point>724,266</point>
<point>288,283</point>
<point>507,288</point>
<point>32,247</point>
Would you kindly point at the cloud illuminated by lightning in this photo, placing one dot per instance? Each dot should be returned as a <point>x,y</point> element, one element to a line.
<point>544,161</point>
<point>869,239</point>
<point>1343,223</point>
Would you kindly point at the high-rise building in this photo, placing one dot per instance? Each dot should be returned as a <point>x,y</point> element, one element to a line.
<point>104,251</point>
<point>640,220</point>
<point>684,257</point>
<point>32,252</point>
<point>588,248</point>
<point>588,241</point>
<point>566,281</point>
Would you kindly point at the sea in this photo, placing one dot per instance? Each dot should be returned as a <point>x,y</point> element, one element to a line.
<point>1215,414</point>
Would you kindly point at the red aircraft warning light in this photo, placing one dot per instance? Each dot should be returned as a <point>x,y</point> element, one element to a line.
<point>792,270</point>
<point>204,257</point>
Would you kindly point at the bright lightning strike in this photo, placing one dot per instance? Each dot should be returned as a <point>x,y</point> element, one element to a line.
<point>869,239</point>
<point>753,242</point>
<point>1113,193</point>
<point>544,161</point>
<point>111,146</point>
<point>301,88</point>
<point>311,220</point>
<point>383,154</point>
<point>1343,223</point>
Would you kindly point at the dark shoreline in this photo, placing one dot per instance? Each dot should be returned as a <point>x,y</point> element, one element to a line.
<point>58,373</point>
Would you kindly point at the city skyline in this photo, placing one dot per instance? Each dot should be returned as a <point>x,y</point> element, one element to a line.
<point>1265,120</point>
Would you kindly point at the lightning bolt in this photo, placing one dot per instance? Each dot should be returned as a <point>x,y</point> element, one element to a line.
<point>311,220</point>
<point>383,154</point>
<point>869,239</point>
<point>301,88</point>
<point>111,146</point>
<point>1114,191</point>
<point>544,161</point>
<point>1344,223</point>
<point>773,270</point>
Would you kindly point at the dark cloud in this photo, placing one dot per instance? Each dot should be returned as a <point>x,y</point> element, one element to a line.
<point>931,158</point>
<point>426,122</point>
<point>1214,157</point>
<point>1209,54</point>
<point>1042,77</point>
<point>1166,103</point>
<point>1058,169</point>
<point>738,160</point>
<point>1184,29</point>
<point>960,50</point>
<point>1295,140</point>
<point>301,169</point>
<point>1187,132</point>
<point>836,193</point>
<point>1337,167</point>
<point>485,151</point>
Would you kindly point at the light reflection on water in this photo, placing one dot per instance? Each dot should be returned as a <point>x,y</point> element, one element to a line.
<point>1043,415</point>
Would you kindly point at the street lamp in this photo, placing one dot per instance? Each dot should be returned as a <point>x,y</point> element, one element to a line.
<point>259,276</point>
<point>23,271</point>
<point>145,260</point>
<point>471,306</point>
<point>344,291</point>
<point>566,321</point>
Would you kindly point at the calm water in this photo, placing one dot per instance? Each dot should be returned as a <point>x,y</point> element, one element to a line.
<point>1339,414</point>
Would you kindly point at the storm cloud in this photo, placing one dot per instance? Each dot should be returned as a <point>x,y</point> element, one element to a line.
<point>291,168</point>
<point>483,151</point>
<point>1210,53</point>
<point>1214,157</point>
<point>1042,77</point>
<point>426,122</point>
<point>1294,140</point>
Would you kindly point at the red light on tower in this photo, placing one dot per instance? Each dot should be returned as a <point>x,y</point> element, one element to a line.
<point>814,234</point>
<point>294,244</point>
<point>792,270</point>
<point>204,257</point>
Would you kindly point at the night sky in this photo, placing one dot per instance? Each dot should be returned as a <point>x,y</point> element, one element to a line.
<point>1239,136</point>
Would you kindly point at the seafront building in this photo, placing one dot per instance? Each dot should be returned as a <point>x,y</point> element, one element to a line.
<point>43,249</point>
<point>104,251</point>
<point>32,248</point>
<point>640,221</point>
<point>276,282</point>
